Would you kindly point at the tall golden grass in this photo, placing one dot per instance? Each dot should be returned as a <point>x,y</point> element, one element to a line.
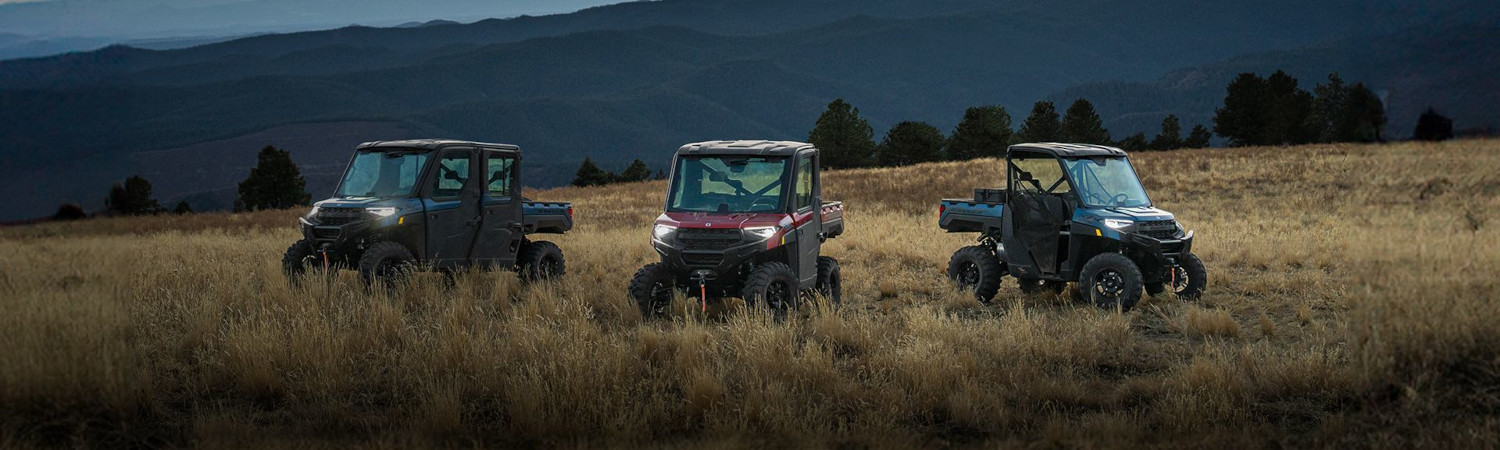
<point>1351,302</point>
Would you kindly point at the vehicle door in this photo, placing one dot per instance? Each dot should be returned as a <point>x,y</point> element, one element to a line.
<point>807,216</point>
<point>501,230</point>
<point>453,196</point>
<point>1035,215</point>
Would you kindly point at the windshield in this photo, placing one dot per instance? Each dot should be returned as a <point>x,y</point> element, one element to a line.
<point>383,173</point>
<point>1106,182</point>
<point>727,184</point>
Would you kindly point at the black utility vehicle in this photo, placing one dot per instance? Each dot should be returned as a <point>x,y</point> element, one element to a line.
<point>747,219</point>
<point>1072,213</point>
<point>432,204</point>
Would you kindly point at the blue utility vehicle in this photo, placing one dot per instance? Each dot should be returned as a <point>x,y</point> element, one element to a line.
<point>1071,213</point>
<point>431,204</point>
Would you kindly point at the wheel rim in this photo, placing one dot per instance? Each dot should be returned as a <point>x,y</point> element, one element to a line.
<point>661,296</point>
<point>1109,283</point>
<point>778,295</point>
<point>389,270</point>
<point>549,267</point>
<point>968,275</point>
<point>1180,280</point>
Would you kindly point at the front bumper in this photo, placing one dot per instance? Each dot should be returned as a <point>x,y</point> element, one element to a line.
<point>719,263</point>
<point>337,238</point>
<point>1163,250</point>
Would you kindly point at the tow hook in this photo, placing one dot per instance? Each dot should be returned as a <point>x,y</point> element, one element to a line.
<point>702,277</point>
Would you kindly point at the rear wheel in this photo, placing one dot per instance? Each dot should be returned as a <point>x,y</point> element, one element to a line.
<point>387,263</point>
<point>539,261</point>
<point>1111,280</point>
<point>830,281</point>
<point>651,288</point>
<point>774,286</point>
<point>975,269</point>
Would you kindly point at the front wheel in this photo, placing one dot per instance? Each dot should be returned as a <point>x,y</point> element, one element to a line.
<point>539,261</point>
<point>774,286</point>
<point>1187,280</point>
<point>830,281</point>
<point>975,268</point>
<point>297,259</point>
<point>1111,281</point>
<point>651,288</point>
<point>387,263</point>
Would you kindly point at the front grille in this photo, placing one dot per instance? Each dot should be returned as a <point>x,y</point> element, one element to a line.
<point>339,216</point>
<point>325,233</point>
<point>702,259</point>
<point>1158,229</point>
<point>709,238</point>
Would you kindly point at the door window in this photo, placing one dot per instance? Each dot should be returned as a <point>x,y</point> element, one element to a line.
<point>804,182</point>
<point>452,174</point>
<point>498,172</point>
<point>1041,174</point>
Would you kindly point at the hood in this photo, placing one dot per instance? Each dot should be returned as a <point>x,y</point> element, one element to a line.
<point>716,220</point>
<point>1137,214</point>
<point>360,202</point>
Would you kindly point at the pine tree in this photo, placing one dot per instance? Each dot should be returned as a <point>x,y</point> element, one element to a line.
<point>1266,111</point>
<point>590,174</point>
<point>1134,143</point>
<point>274,183</point>
<point>1198,138</point>
<point>1042,125</point>
<point>1432,126</point>
<point>910,143</point>
<point>1329,100</point>
<point>1081,125</point>
<point>1362,118</point>
<point>1170,137</point>
<point>983,132</point>
<point>636,171</point>
<point>132,198</point>
<point>843,138</point>
<point>1239,120</point>
<point>1289,117</point>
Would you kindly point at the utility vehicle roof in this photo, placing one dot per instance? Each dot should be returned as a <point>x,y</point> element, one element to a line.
<point>757,148</point>
<point>433,144</point>
<point>1069,150</point>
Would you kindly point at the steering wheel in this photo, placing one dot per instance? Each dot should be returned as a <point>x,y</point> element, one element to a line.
<point>1095,198</point>
<point>1121,198</point>
<point>771,202</point>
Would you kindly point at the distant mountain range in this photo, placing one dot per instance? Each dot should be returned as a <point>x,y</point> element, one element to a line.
<point>636,80</point>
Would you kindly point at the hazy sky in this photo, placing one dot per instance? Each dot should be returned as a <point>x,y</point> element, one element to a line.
<point>157,18</point>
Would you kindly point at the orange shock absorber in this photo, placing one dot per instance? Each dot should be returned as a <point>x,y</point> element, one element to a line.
<point>325,262</point>
<point>703,296</point>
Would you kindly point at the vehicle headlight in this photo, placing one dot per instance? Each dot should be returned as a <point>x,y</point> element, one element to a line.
<point>382,212</point>
<point>761,232</point>
<point>661,231</point>
<point>1117,224</point>
<point>312,213</point>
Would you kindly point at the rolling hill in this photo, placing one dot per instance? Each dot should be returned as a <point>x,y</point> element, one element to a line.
<point>633,80</point>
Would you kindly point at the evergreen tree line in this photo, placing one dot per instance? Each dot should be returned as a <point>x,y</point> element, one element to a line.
<point>1274,111</point>
<point>274,183</point>
<point>589,174</point>
<point>846,139</point>
<point>1256,111</point>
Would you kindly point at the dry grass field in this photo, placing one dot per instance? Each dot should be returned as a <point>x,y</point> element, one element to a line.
<point>1351,301</point>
